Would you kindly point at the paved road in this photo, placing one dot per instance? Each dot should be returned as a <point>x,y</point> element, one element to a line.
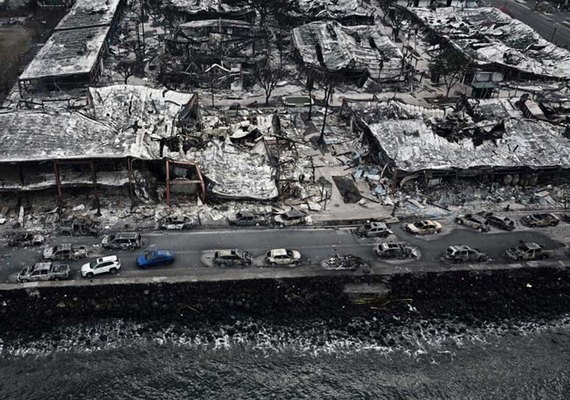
<point>544,24</point>
<point>314,245</point>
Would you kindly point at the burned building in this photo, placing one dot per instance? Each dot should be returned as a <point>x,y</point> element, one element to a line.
<point>195,46</point>
<point>54,4</point>
<point>73,54</point>
<point>123,142</point>
<point>357,52</point>
<point>62,151</point>
<point>495,142</point>
<point>198,10</point>
<point>493,41</point>
<point>347,12</point>
<point>438,3</point>
<point>170,129</point>
<point>91,13</point>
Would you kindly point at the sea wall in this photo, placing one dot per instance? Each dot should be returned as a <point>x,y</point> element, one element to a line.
<point>498,293</point>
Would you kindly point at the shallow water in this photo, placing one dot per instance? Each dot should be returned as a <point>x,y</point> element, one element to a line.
<point>357,358</point>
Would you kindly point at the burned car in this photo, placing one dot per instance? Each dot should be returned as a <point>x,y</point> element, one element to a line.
<point>473,221</point>
<point>44,271</point>
<point>373,229</point>
<point>247,218</point>
<point>540,220</point>
<point>462,253</point>
<point>232,257</point>
<point>425,227</point>
<point>83,226</point>
<point>175,223</point>
<point>395,250</point>
<point>23,239</point>
<point>527,251</point>
<point>501,222</point>
<point>286,257</point>
<point>64,251</point>
<point>122,241</point>
<point>347,262</point>
<point>289,218</point>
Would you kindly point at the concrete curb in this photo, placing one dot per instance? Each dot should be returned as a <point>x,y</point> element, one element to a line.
<point>378,269</point>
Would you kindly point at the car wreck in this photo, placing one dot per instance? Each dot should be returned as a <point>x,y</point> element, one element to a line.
<point>23,239</point>
<point>247,218</point>
<point>347,262</point>
<point>287,257</point>
<point>232,258</point>
<point>395,251</point>
<point>373,229</point>
<point>79,227</point>
<point>462,253</point>
<point>66,251</point>
<point>473,221</point>
<point>540,220</point>
<point>527,251</point>
<point>290,218</point>
<point>500,221</point>
<point>45,271</point>
<point>175,223</point>
<point>425,227</point>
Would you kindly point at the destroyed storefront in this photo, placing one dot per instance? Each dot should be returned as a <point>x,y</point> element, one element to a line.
<point>359,52</point>
<point>214,52</point>
<point>229,156</point>
<point>500,148</point>
<point>62,152</point>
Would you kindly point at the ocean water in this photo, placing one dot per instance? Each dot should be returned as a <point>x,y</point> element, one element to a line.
<point>387,357</point>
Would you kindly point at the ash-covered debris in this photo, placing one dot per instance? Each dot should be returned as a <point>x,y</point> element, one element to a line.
<point>490,37</point>
<point>361,51</point>
<point>351,11</point>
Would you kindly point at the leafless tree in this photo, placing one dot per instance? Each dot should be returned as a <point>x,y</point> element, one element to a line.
<point>450,65</point>
<point>127,68</point>
<point>268,77</point>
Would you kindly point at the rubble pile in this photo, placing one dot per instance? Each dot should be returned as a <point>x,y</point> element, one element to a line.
<point>237,174</point>
<point>489,36</point>
<point>356,49</point>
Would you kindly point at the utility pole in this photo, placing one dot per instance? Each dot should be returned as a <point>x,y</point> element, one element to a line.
<point>328,95</point>
<point>143,46</point>
<point>310,86</point>
<point>212,84</point>
<point>554,33</point>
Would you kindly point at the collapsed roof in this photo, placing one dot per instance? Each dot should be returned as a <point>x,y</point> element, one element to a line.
<point>39,136</point>
<point>238,174</point>
<point>335,9</point>
<point>412,146</point>
<point>204,8</point>
<point>488,36</point>
<point>335,47</point>
<point>89,13</point>
<point>68,52</point>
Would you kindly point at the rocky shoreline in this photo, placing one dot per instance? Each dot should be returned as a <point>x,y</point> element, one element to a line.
<point>468,297</point>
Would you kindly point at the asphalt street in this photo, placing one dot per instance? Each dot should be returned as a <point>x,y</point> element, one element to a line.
<point>551,27</point>
<point>315,244</point>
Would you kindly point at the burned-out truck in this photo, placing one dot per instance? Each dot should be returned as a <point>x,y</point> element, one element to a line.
<point>44,271</point>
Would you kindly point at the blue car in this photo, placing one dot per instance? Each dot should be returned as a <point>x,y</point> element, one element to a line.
<point>155,258</point>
